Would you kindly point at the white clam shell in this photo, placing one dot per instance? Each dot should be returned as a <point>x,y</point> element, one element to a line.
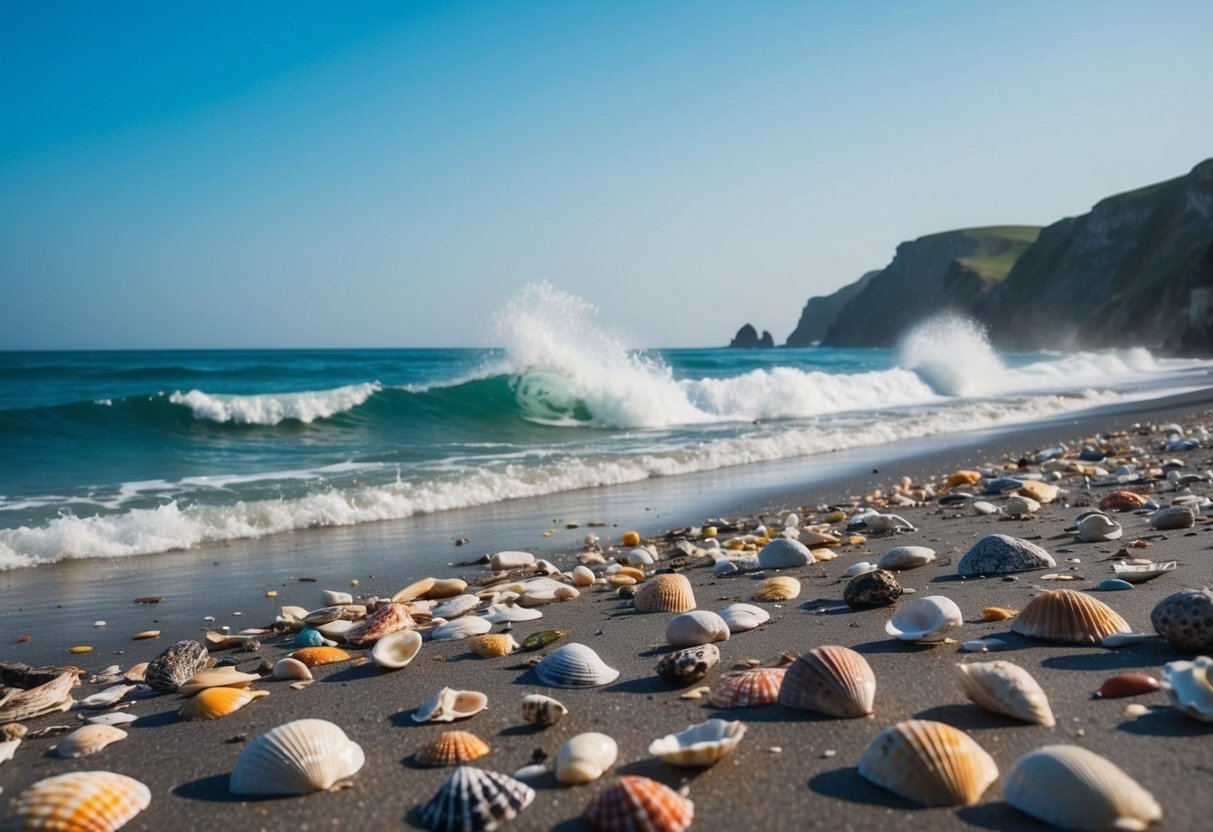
<point>1006,688</point>
<point>455,607</point>
<point>1095,527</point>
<point>742,617</point>
<point>585,758</point>
<point>1189,686</point>
<point>461,628</point>
<point>696,627</point>
<point>699,745</point>
<point>306,755</point>
<point>291,669</point>
<point>396,650</point>
<point>88,739</point>
<point>107,698</point>
<point>501,613</point>
<point>575,666</point>
<point>928,619</point>
<point>906,557</point>
<point>448,705</point>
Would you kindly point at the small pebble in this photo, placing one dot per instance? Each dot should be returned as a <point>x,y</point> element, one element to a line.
<point>775,749</point>
<point>1135,709</point>
<point>98,623</point>
<point>828,753</point>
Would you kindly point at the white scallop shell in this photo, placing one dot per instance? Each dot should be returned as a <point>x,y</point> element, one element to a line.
<point>293,669</point>
<point>906,557</point>
<point>501,613</point>
<point>575,666</point>
<point>742,617</point>
<point>1190,687</point>
<point>696,627</point>
<point>461,628</point>
<point>699,745</point>
<point>585,758</point>
<point>306,755</point>
<point>88,739</point>
<point>1006,688</point>
<point>930,618</point>
<point>448,705</point>
<point>455,607</point>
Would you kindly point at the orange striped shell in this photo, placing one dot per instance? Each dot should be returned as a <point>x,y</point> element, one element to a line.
<point>1069,617</point>
<point>747,688</point>
<point>316,656</point>
<point>451,748</point>
<point>633,803</point>
<point>82,801</point>
<point>667,592</point>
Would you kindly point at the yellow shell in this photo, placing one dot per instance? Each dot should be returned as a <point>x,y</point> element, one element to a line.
<point>446,588</point>
<point>82,801</point>
<point>670,592</point>
<point>621,580</point>
<point>930,763</point>
<point>213,703</point>
<point>216,677</point>
<point>1067,616</point>
<point>779,588</point>
<point>413,591</point>
<point>997,613</point>
<point>630,538</point>
<point>492,645</point>
<point>632,572</point>
<point>316,656</point>
<point>145,634</point>
<point>451,748</point>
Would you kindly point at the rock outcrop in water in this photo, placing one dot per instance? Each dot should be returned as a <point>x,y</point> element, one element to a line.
<point>747,338</point>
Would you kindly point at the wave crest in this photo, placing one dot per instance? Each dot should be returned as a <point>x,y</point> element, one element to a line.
<point>274,408</point>
<point>952,354</point>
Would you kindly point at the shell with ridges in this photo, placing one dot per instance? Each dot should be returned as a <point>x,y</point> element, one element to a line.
<point>291,669</point>
<point>696,627</point>
<point>448,705</point>
<point>638,804</point>
<point>927,619</point>
<point>585,758</point>
<point>1189,686</point>
<point>493,645</point>
<point>49,697</point>
<point>1070,617</point>
<point>384,621</point>
<point>575,666</point>
<point>461,628</point>
<point>88,739</point>
<point>831,680</point>
<point>778,588</point>
<point>929,763</point>
<point>176,665</point>
<point>541,710</point>
<point>396,650</point>
<point>475,800</point>
<point>699,745</point>
<point>667,592</point>
<point>213,703</point>
<point>81,801</point>
<point>451,748</point>
<point>306,755</point>
<point>316,656</point>
<point>1006,688</point>
<point>1074,788</point>
<point>751,688</point>
<point>226,677</point>
<point>743,617</point>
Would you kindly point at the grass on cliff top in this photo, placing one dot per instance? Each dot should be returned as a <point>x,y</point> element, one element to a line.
<point>1008,242</point>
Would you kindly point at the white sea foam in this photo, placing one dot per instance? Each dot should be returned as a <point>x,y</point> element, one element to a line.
<point>953,355</point>
<point>271,409</point>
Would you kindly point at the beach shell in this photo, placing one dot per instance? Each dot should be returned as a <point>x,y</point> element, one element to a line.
<point>1074,788</point>
<point>475,800</point>
<point>541,710</point>
<point>384,621</point>
<point>699,745</point>
<point>306,755</point>
<point>929,763</point>
<point>683,667</point>
<point>1122,639</point>
<point>455,607</point>
<point>1095,528</point>
<point>508,613</point>
<point>81,801</point>
<point>963,477</point>
<point>697,627</point>
<point>213,703</point>
<point>638,804</point>
<point>778,588</point>
<point>1007,689</point>
<point>1139,573</point>
<point>335,597</point>
<point>461,628</point>
<point>751,688</point>
<point>1189,685</point>
<point>877,588</point>
<point>575,666</point>
<point>291,669</point>
<point>338,612</point>
<point>88,739</point>
<point>831,680</point>
<point>107,698</point>
<point>316,656</point>
<point>1000,554</point>
<point>413,591</point>
<point>396,650</point>
<point>585,758</point>
<point>1122,501</point>
<point>448,705</point>
<point>1070,617</point>
<point>784,553</point>
<point>1172,518</point>
<point>176,665</point>
<point>1185,620</point>
<point>537,641</point>
<point>1126,684</point>
<point>226,677</point>
<point>906,557</point>
<point>8,748</point>
<point>583,576</point>
<point>451,748</point>
<point>927,619</point>
<point>493,645</point>
<point>311,637</point>
<point>1019,505</point>
<point>670,592</point>
<point>742,617</point>
<point>640,557</point>
<point>1041,492</point>
<point>446,588</point>
<point>112,718</point>
<point>997,613</point>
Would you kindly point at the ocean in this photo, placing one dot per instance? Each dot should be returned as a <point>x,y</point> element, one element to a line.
<point>114,454</point>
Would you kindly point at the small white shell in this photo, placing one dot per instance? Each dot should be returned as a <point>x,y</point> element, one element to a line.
<point>456,606</point>
<point>306,755</point>
<point>575,666</point>
<point>106,698</point>
<point>448,705</point>
<point>501,613</point>
<point>88,739</point>
<point>1095,527</point>
<point>1189,685</point>
<point>1006,688</point>
<point>461,628</point>
<point>112,718</point>
<point>861,568</point>
<point>699,745</point>
<point>928,619</point>
<point>696,627</point>
<point>742,617</point>
<point>291,669</point>
<point>906,557</point>
<point>585,758</point>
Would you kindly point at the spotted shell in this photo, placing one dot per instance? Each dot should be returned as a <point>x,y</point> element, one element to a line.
<point>88,739</point>
<point>81,801</point>
<point>176,665</point>
<point>1005,688</point>
<point>778,588</point>
<point>213,703</point>
<point>633,803</point>
<point>451,748</point>
<point>475,800</point>
<point>929,763</point>
<point>1074,788</point>
<point>1070,617</point>
<point>682,667</point>
<point>306,755</point>
<point>667,592</point>
<point>391,618</point>
<point>493,645</point>
<point>575,666</point>
<point>751,688</point>
<point>316,656</point>
<point>541,710</point>
<point>1185,620</point>
<point>831,680</point>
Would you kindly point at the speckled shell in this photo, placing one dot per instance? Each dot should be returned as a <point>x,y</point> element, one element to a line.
<point>1185,620</point>
<point>216,677</point>
<point>1189,686</point>
<point>396,650</point>
<point>929,763</point>
<point>475,800</point>
<point>778,588</point>
<point>667,592</point>
<point>831,680</point>
<point>493,645</point>
<point>637,804</point>
<point>448,705</point>
<point>1074,788</point>
<point>386,620</point>
<point>1070,617</point>
<point>697,627</point>
<point>585,758</point>
<point>575,666</point>
<point>316,656</point>
<point>175,666</point>
<point>306,755</point>
<point>451,748</point>
<point>751,688</point>
<point>743,617</point>
<point>214,703</point>
<point>88,739</point>
<point>1000,554</point>
<point>927,619</point>
<point>1005,688</point>
<point>699,745</point>
<point>81,801</point>
<point>541,710</point>
<point>682,667</point>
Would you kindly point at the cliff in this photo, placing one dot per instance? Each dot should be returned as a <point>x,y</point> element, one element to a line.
<point>820,312</point>
<point>747,338</point>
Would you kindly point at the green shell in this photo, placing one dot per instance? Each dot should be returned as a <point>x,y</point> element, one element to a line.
<point>543,639</point>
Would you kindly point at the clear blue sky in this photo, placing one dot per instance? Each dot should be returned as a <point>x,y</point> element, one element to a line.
<point>277,174</point>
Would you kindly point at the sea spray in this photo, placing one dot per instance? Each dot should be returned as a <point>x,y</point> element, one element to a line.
<point>952,354</point>
<point>271,409</point>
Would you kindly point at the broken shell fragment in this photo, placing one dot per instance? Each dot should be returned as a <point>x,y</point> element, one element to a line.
<point>1070,617</point>
<point>633,803</point>
<point>536,641</point>
<point>1138,573</point>
<point>541,710</point>
<point>699,745</point>
<point>929,763</point>
<point>451,748</point>
<point>88,739</point>
<point>81,801</point>
<point>1006,688</point>
<point>585,758</point>
<point>449,705</point>
<point>475,800</point>
<point>1189,686</point>
<point>1074,788</point>
<point>831,680</point>
<point>215,703</point>
<point>575,666</point>
<point>47,698</point>
<point>927,619</point>
<point>306,755</point>
<point>105,699</point>
<point>689,665</point>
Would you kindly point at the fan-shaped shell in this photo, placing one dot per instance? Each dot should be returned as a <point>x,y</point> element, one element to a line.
<point>927,619</point>
<point>634,804</point>
<point>541,710</point>
<point>396,650</point>
<point>1005,688</point>
<point>81,801</point>
<point>585,758</point>
<point>1070,617</point>
<point>902,558</point>
<point>493,645</point>
<point>929,763</point>
<point>448,705</point>
<point>475,800</point>
<point>388,619</point>
<point>831,680</point>
<point>88,739</point>
<point>699,745</point>
<point>778,588</point>
<point>306,755</point>
<point>174,666</point>
<point>751,688</point>
<point>451,748</point>
<point>316,656</point>
<point>1075,788</point>
<point>1189,685</point>
<point>682,667</point>
<point>213,703</point>
<point>575,666</point>
<point>742,617</point>
<point>227,677</point>
<point>461,628</point>
<point>697,627</point>
<point>667,592</point>
<point>291,669</point>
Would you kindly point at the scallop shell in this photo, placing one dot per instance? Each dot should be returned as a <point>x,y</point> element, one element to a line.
<point>667,592</point>
<point>742,617</point>
<point>503,613</point>
<point>929,763</point>
<point>585,758</point>
<point>1070,617</point>
<point>927,619</point>
<point>384,621</point>
<point>493,645</point>
<point>213,703</point>
<point>778,588</point>
<point>1006,688</point>
<point>292,669</point>
<point>699,745</point>
<point>88,739</point>
<point>906,557</point>
<point>174,666</point>
<point>461,628</point>
<point>1189,686</point>
<point>306,755</point>
<point>451,748</point>
<point>227,677</point>
<point>575,666</point>
<point>541,710</point>
<point>751,688</point>
<point>697,627</point>
<point>316,656</point>
<point>1184,619</point>
<point>448,705</point>
<point>475,800</point>
<point>682,667</point>
<point>637,804</point>
<point>81,801</point>
<point>1074,788</point>
<point>47,698</point>
<point>831,680</point>
<point>396,650</point>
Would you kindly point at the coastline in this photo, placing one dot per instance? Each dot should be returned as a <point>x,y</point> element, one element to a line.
<point>796,787</point>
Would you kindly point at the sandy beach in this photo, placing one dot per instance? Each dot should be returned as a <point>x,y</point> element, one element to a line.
<point>792,770</point>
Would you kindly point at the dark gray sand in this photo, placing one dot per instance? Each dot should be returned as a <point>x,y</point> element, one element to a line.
<point>792,770</point>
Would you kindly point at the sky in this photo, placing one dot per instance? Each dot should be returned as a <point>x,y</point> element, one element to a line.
<point>389,174</point>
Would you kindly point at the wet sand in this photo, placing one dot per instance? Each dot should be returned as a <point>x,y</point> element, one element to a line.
<point>792,770</point>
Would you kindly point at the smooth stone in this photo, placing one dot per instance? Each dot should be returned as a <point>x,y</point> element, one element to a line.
<point>784,553</point>
<point>983,507</point>
<point>1113,585</point>
<point>511,560</point>
<point>906,557</point>
<point>1000,554</point>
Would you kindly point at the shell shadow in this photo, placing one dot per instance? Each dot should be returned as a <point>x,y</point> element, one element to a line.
<point>1000,817</point>
<point>643,684</point>
<point>524,730</point>
<point>763,713</point>
<point>846,784</point>
<point>214,789</point>
<point>367,670</point>
<point>1166,722</point>
<point>157,720</point>
<point>893,645</point>
<point>661,771</point>
<point>968,717</point>
<point>1103,660</point>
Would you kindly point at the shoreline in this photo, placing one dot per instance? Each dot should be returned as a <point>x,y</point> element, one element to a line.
<point>796,787</point>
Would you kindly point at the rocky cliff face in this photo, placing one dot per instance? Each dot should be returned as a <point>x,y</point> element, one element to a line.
<point>747,338</point>
<point>820,312</point>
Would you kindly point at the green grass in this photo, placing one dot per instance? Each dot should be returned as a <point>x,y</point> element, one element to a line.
<point>1001,246</point>
<point>1017,233</point>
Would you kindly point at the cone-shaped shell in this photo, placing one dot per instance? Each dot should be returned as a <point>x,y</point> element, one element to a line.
<point>1000,554</point>
<point>784,553</point>
<point>575,666</point>
<point>1074,788</point>
<point>831,680</point>
<point>751,688</point>
<point>778,588</point>
<point>697,627</point>
<point>475,800</point>
<point>1189,686</point>
<point>1005,688</point>
<point>541,710</point>
<point>306,755</point>
<point>214,703</point>
<point>396,650</point>
<point>585,758</point>
<point>386,620</point>
<point>448,705</point>
<point>316,656</point>
<point>667,592</point>
<point>638,804</point>
<point>461,628</point>
<point>929,763</point>
<point>1069,617</point>
<point>452,748</point>
<point>927,619</point>
<point>88,739</point>
<point>493,645</point>
<point>176,665</point>
<point>81,801</point>
<point>743,617</point>
<point>699,745</point>
<point>216,677</point>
